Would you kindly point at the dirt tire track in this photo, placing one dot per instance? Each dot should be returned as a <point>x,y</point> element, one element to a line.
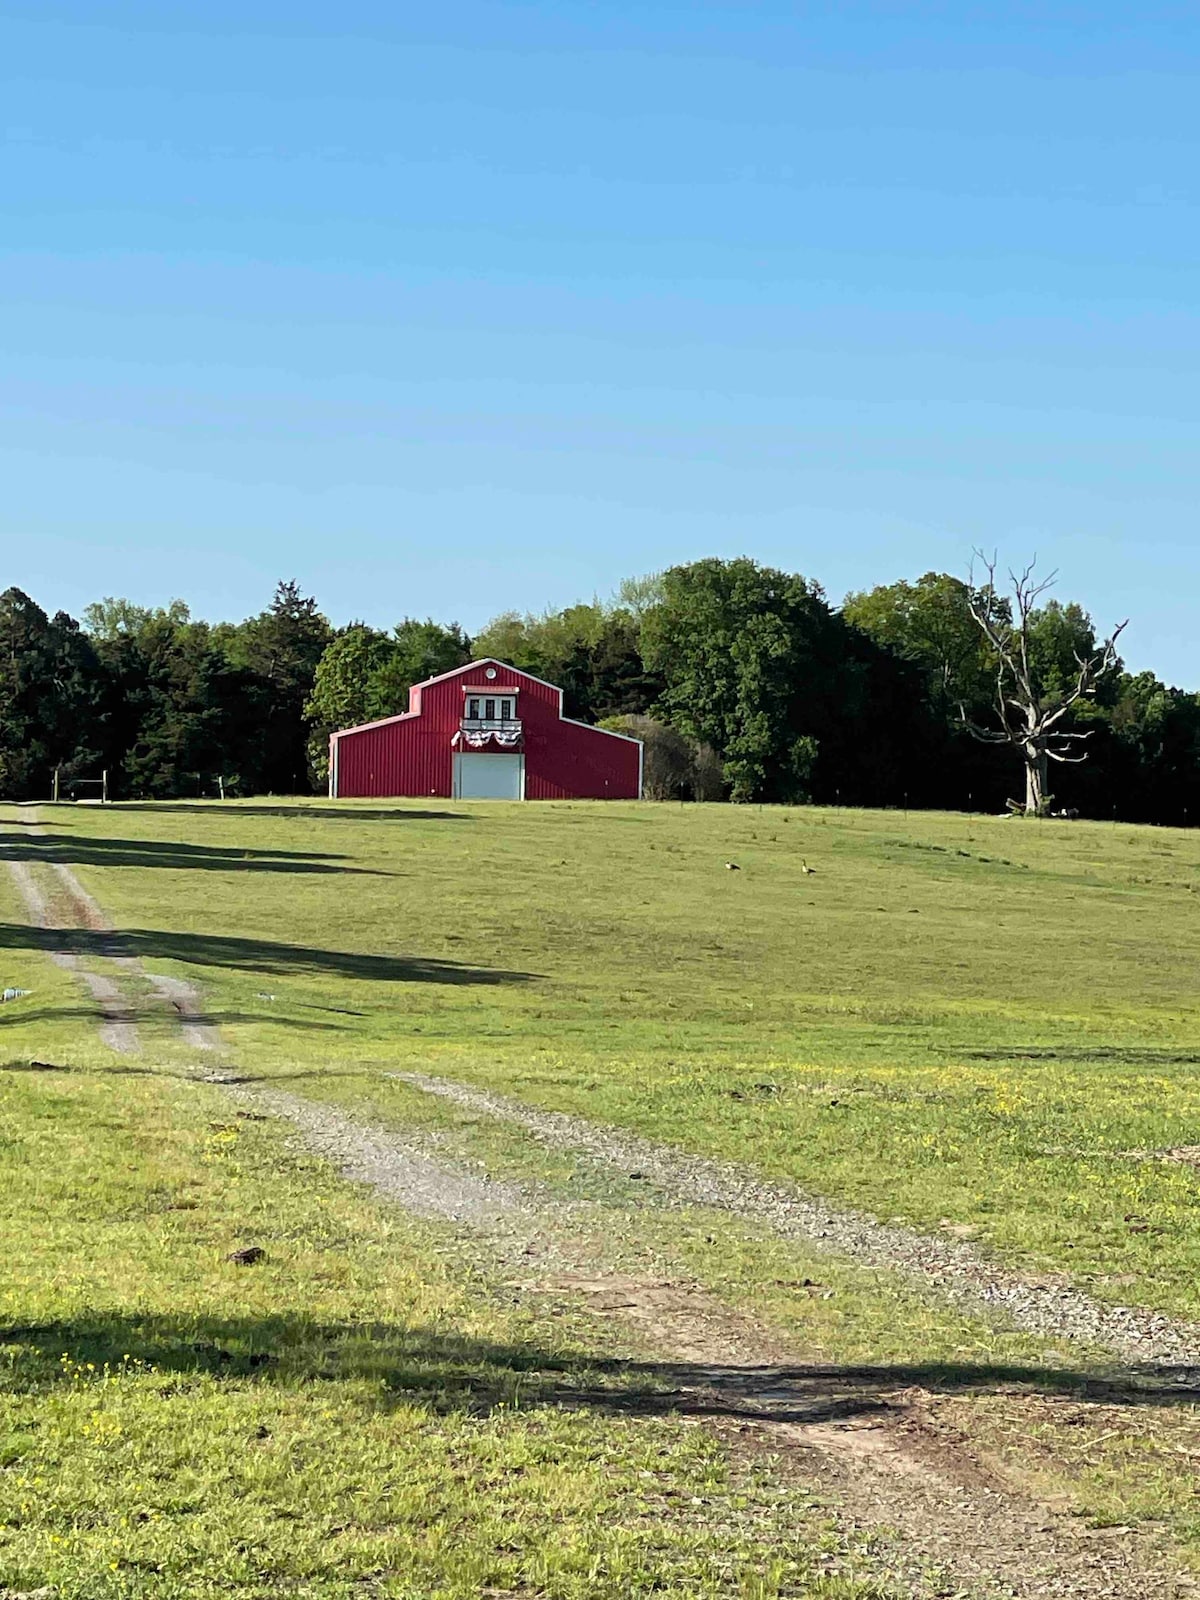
<point>118,1027</point>
<point>951,1268</point>
<point>118,1030</point>
<point>960,1528</point>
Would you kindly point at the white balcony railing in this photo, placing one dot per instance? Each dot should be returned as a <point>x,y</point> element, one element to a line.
<point>491,725</point>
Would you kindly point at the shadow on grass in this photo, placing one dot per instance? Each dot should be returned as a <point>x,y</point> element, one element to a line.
<point>148,1013</point>
<point>1131,1056</point>
<point>318,810</point>
<point>58,849</point>
<point>263,956</point>
<point>449,1373</point>
<point>14,1014</point>
<point>226,1078</point>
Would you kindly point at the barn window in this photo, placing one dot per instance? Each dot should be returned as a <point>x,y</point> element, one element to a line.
<point>483,709</point>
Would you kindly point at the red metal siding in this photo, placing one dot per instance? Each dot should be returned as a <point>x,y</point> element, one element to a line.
<point>413,754</point>
<point>566,761</point>
<point>397,758</point>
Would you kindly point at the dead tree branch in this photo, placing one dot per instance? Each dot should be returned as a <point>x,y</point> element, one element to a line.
<point>1031,719</point>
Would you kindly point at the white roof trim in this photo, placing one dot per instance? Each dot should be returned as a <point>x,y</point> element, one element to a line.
<point>380,722</point>
<point>484,661</point>
<point>592,728</point>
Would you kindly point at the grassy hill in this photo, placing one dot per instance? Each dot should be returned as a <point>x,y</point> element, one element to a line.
<point>966,1018</point>
<point>987,1028</point>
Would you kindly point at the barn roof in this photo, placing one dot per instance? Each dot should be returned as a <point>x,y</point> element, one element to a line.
<point>470,666</point>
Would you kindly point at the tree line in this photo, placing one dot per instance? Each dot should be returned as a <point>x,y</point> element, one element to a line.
<point>745,682</point>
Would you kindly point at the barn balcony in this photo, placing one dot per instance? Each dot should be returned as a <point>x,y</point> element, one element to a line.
<point>491,733</point>
<point>492,725</point>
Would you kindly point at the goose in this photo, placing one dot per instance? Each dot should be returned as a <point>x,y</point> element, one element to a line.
<point>806,869</point>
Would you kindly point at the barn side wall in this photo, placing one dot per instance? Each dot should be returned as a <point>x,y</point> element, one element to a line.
<point>399,758</point>
<point>571,762</point>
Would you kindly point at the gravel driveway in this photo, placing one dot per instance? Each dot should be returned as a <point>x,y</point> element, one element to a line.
<point>954,1269</point>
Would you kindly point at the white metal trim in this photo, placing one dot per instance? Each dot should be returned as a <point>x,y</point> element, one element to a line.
<point>592,728</point>
<point>484,661</point>
<point>380,722</point>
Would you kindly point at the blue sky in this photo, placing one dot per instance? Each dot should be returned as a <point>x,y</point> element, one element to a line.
<point>445,309</point>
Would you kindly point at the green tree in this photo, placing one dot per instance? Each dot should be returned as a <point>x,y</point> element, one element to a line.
<point>929,624</point>
<point>590,651</point>
<point>619,683</point>
<point>115,618</point>
<point>748,656</point>
<point>639,595</point>
<point>419,650</point>
<point>177,712</point>
<point>672,767</point>
<point>506,638</point>
<point>555,646</point>
<point>193,699</point>
<point>1152,770</point>
<point>49,692</point>
<point>1059,638</point>
<point>281,648</point>
<point>345,683</point>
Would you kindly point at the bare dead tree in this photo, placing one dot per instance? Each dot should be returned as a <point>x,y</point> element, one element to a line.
<point>1031,721</point>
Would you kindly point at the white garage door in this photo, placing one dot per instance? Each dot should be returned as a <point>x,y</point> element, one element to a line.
<point>484,775</point>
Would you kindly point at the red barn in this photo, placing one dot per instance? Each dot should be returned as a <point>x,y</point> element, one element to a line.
<point>484,732</point>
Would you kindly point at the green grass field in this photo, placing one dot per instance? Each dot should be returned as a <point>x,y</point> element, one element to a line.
<point>966,1022</point>
<point>969,1019</point>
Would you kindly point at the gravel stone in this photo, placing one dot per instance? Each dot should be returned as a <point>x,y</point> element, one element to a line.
<point>391,1165</point>
<point>954,1268</point>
